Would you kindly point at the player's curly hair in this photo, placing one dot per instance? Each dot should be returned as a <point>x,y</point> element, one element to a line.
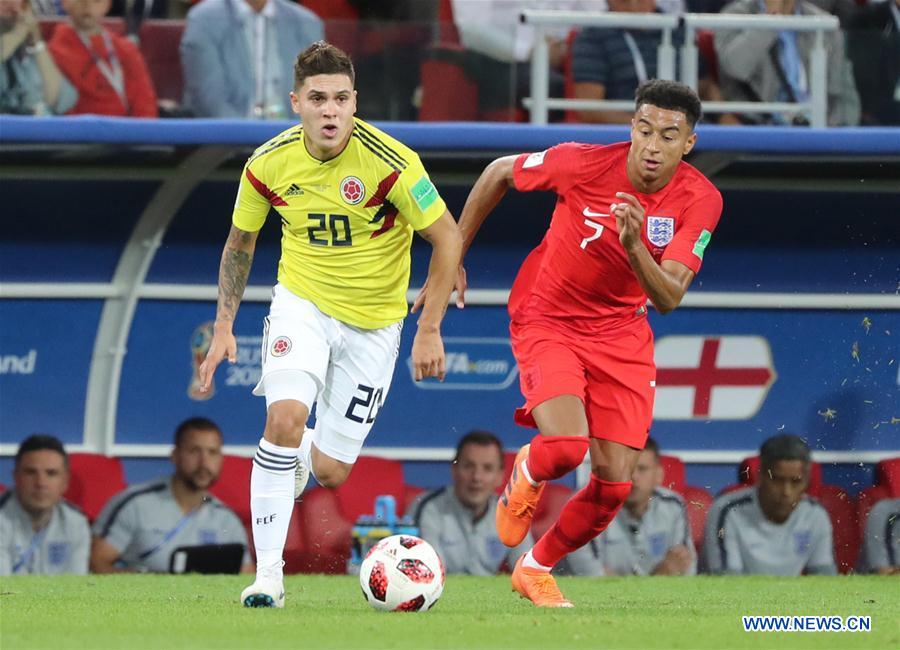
<point>322,58</point>
<point>670,95</point>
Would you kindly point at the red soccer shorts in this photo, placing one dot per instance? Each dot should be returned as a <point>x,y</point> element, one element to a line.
<point>612,373</point>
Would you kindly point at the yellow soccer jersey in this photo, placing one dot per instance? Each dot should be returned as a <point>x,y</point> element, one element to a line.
<point>347,223</point>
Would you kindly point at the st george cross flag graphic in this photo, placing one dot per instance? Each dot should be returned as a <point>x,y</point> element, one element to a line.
<point>712,377</point>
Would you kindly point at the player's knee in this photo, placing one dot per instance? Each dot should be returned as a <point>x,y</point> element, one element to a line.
<point>613,469</point>
<point>332,475</point>
<point>608,473</point>
<point>284,425</point>
<point>612,461</point>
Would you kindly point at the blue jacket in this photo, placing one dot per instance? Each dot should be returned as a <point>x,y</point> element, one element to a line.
<point>215,57</point>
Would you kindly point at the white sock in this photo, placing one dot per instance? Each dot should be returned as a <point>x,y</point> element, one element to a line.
<point>304,453</point>
<point>527,474</point>
<point>271,502</point>
<point>529,562</point>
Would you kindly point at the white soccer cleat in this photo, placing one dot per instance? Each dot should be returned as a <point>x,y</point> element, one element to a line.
<point>266,591</point>
<point>301,478</point>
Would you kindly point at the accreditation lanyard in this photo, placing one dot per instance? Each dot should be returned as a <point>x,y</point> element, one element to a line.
<point>36,541</point>
<point>168,536</point>
<point>640,68</point>
<point>111,70</point>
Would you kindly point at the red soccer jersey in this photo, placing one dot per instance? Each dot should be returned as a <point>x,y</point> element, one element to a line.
<point>580,271</point>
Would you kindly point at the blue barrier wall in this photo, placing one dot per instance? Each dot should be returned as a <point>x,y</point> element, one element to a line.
<point>449,136</point>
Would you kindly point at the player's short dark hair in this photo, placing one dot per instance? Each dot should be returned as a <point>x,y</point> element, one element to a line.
<point>479,437</point>
<point>322,58</point>
<point>670,95</point>
<point>653,446</point>
<point>785,446</point>
<point>40,442</point>
<point>195,424</point>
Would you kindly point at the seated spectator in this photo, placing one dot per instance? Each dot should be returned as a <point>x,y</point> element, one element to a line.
<point>39,531</point>
<point>108,70</point>
<point>30,81</point>
<point>873,45</point>
<point>499,46</point>
<point>881,544</point>
<point>140,527</point>
<point>459,520</point>
<point>226,75</point>
<point>610,63</point>
<point>769,66</point>
<point>771,528</point>
<point>651,535</point>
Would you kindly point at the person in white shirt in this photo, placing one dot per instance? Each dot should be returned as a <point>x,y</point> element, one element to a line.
<point>141,527</point>
<point>772,528</point>
<point>459,520</point>
<point>881,542</point>
<point>651,534</point>
<point>41,533</point>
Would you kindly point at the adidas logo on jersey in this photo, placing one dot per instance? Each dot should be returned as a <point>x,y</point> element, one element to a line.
<point>294,190</point>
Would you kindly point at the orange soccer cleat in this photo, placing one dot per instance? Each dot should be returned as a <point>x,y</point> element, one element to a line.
<point>517,503</point>
<point>537,586</point>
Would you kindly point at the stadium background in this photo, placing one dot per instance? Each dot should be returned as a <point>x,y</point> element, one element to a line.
<point>804,268</point>
<point>810,220</point>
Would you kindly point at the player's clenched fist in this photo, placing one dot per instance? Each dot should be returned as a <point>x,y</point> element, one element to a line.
<point>630,219</point>
<point>428,355</point>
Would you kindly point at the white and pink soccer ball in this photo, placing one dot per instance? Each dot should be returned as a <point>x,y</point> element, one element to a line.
<point>402,573</point>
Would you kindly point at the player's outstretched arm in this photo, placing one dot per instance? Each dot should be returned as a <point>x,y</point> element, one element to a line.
<point>428,348</point>
<point>485,195</point>
<point>234,270</point>
<point>665,284</point>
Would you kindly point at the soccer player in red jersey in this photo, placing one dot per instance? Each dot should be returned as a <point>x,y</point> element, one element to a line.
<point>632,222</point>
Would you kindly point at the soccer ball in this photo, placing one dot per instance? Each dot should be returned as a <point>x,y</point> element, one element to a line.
<point>402,573</point>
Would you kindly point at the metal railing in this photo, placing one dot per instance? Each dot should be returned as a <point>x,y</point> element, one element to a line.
<point>818,79</point>
<point>539,103</point>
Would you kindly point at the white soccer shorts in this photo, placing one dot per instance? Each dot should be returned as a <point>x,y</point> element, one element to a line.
<point>352,368</point>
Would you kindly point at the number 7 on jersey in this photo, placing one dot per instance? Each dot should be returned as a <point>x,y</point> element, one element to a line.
<point>598,228</point>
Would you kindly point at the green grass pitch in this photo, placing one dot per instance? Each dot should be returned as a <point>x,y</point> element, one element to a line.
<point>326,612</point>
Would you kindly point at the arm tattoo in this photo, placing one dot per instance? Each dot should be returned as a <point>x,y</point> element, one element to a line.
<point>233,274</point>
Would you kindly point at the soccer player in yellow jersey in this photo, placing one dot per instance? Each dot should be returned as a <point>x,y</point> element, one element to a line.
<point>349,197</point>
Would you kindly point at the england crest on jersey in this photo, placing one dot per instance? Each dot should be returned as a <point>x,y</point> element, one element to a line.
<point>57,552</point>
<point>660,230</point>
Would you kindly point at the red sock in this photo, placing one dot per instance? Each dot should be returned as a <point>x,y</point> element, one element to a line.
<point>553,456</point>
<point>585,516</point>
